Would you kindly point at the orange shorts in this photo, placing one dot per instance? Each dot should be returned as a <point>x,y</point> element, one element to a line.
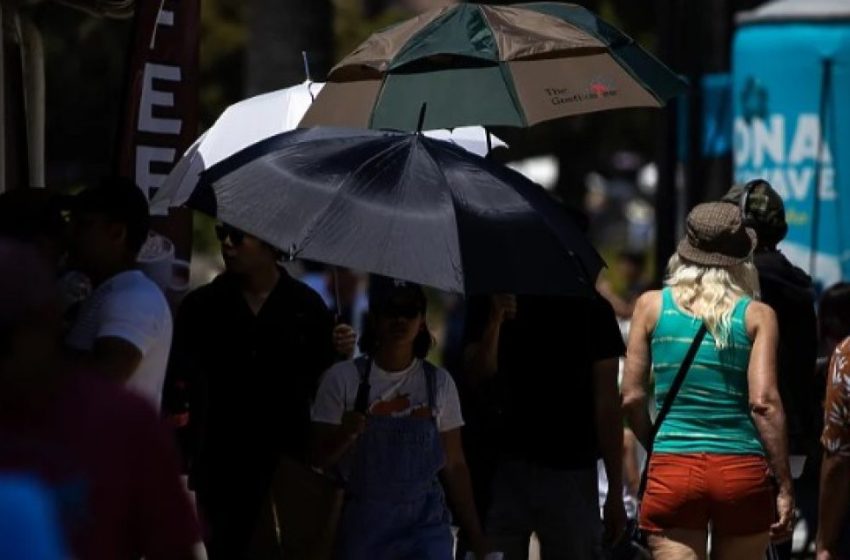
<point>688,491</point>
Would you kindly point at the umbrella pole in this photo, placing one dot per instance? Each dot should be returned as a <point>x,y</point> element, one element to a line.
<point>336,294</point>
<point>826,85</point>
<point>489,141</point>
<point>306,61</point>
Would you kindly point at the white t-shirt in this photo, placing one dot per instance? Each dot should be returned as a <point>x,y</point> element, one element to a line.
<point>131,307</point>
<point>392,393</point>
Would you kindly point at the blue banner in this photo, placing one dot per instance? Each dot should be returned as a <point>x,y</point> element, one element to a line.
<point>792,128</point>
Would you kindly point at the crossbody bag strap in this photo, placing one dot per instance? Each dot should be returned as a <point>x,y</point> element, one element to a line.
<point>668,401</point>
<point>364,368</point>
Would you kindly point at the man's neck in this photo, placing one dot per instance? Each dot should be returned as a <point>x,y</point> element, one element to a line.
<point>393,359</point>
<point>106,272</point>
<point>260,282</point>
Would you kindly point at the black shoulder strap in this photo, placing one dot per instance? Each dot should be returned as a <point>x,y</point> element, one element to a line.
<point>668,400</point>
<point>361,401</point>
<point>431,380</point>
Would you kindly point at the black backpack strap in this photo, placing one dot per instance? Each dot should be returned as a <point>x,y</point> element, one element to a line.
<point>361,401</point>
<point>668,401</point>
<point>431,381</point>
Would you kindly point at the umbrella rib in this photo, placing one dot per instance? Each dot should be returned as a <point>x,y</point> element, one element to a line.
<point>509,82</point>
<point>454,210</point>
<point>320,216</point>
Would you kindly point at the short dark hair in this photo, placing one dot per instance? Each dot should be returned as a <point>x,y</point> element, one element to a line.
<point>26,214</point>
<point>834,311</point>
<point>368,342</point>
<point>121,201</point>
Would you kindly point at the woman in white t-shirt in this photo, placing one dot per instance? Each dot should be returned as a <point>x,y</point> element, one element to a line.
<point>390,422</point>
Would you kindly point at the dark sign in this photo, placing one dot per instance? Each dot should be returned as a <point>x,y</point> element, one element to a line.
<point>161,117</point>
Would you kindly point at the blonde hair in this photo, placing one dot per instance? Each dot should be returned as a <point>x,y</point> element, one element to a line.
<point>714,291</point>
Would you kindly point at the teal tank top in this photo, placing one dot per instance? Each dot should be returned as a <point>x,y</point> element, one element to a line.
<point>711,412</point>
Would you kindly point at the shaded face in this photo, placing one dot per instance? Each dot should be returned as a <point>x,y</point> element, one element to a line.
<point>91,238</point>
<point>243,253</point>
<point>398,322</point>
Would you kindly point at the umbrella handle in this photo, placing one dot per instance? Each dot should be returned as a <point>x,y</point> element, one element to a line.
<point>336,294</point>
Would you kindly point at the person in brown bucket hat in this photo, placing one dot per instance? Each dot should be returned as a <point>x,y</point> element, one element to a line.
<point>724,427</point>
<point>715,235</point>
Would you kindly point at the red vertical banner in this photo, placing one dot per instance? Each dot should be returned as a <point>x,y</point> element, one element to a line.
<point>161,115</point>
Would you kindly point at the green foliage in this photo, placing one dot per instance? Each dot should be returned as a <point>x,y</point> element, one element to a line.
<point>222,49</point>
<point>351,28</point>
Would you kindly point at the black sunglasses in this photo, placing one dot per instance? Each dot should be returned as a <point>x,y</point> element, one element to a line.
<point>225,231</point>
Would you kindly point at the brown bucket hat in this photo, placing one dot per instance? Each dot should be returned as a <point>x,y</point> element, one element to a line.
<point>716,236</point>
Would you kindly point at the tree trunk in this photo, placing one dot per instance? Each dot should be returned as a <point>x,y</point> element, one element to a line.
<point>279,30</point>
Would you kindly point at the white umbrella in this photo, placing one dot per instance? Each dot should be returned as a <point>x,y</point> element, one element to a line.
<point>257,118</point>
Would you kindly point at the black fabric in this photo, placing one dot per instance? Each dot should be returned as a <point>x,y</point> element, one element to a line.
<point>364,368</point>
<point>540,406</point>
<point>247,381</point>
<point>788,290</point>
<point>478,227</point>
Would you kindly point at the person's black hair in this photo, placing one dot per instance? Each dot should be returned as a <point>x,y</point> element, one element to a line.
<point>368,342</point>
<point>120,201</point>
<point>27,214</point>
<point>834,311</point>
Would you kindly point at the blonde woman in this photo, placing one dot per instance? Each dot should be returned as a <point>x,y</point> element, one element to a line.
<point>724,435</point>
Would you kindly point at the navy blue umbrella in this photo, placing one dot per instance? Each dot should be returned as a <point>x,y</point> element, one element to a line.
<point>401,205</point>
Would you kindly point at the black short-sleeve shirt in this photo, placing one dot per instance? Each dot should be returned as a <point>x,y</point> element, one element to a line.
<point>544,382</point>
<point>251,377</point>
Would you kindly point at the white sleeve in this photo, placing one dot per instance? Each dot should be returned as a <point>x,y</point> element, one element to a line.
<point>332,396</point>
<point>140,318</point>
<point>449,416</point>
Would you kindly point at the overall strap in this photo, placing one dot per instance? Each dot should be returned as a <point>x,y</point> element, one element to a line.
<point>431,381</point>
<point>364,368</point>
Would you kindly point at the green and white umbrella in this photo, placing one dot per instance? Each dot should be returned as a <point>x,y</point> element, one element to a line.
<point>473,64</point>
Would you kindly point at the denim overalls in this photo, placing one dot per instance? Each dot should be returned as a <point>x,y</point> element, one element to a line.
<point>395,507</point>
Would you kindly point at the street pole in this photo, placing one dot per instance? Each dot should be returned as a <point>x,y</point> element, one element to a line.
<point>667,12</point>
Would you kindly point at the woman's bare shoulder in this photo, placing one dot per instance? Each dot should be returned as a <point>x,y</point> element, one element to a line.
<point>760,316</point>
<point>647,309</point>
<point>649,302</point>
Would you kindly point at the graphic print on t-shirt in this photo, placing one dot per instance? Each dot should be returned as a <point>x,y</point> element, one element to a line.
<point>399,405</point>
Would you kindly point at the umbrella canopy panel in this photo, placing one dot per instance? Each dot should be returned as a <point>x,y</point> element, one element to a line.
<point>491,65</point>
<point>258,118</point>
<point>404,206</point>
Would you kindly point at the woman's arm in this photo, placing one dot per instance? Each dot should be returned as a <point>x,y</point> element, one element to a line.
<point>455,476</point>
<point>481,358</point>
<point>638,363</point>
<point>766,408</point>
<point>631,465</point>
<point>330,441</point>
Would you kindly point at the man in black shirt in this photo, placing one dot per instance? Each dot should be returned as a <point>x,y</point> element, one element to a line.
<point>552,365</point>
<point>789,292</point>
<point>248,351</point>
